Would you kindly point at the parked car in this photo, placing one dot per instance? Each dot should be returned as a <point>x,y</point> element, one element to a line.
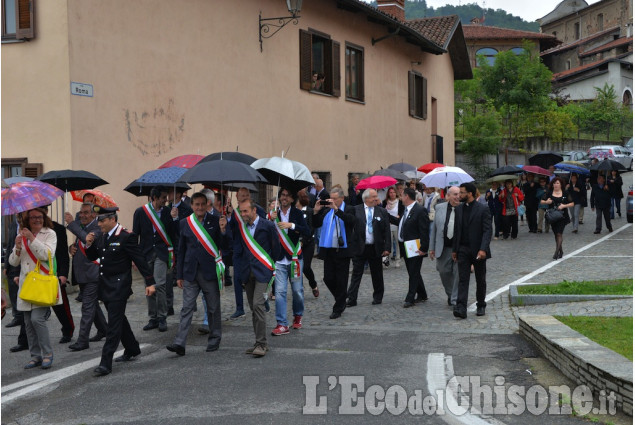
<point>578,156</point>
<point>629,206</point>
<point>629,145</point>
<point>614,152</point>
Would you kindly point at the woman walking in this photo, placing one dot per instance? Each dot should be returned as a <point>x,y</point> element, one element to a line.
<point>557,198</point>
<point>395,208</point>
<point>510,197</point>
<point>614,180</point>
<point>577,190</point>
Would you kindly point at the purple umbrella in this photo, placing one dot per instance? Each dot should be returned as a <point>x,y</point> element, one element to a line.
<point>25,196</point>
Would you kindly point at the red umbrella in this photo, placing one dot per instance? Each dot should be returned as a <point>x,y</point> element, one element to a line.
<point>426,168</point>
<point>536,170</point>
<point>101,198</point>
<point>375,182</point>
<point>183,161</point>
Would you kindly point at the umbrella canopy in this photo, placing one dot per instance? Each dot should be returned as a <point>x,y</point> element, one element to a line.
<point>69,180</point>
<point>233,187</point>
<point>446,176</point>
<point>183,161</point>
<point>161,177</point>
<point>572,168</point>
<point>23,196</point>
<point>507,169</point>
<point>414,174</point>
<point>231,156</point>
<point>502,178</point>
<point>101,198</point>
<point>426,168</point>
<point>375,182</point>
<point>608,165</point>
<point>14,180</point>
<point>221,172</point>
<point>578,163</point>
<point>292,175</point>
<point>402,166</point>
<point>536,170</point>
<point>545,159</point>
<point>391,173</point>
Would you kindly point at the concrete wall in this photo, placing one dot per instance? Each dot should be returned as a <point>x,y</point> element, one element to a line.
<point>617,75</point>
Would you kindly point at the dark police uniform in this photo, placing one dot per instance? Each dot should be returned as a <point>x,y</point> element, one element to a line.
<point>116,254</point>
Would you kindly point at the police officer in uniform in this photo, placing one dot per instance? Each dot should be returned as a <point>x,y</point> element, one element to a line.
<point>117,249</point>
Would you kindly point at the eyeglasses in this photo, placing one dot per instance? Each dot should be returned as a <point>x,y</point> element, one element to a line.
<point>36,217</point>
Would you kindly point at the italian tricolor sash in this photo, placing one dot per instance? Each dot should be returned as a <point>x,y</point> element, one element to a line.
<point>208,243</point>
<point>160,229</point>
<point>255,248</point>
<point>44,269</point>
<point>293,251</point>
<point>82,248</point>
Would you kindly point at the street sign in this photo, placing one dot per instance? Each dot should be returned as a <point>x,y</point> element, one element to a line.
<point>81,89</point>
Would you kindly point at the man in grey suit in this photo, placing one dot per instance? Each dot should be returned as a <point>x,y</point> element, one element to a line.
<point>441,235</point>
<point>86,274</point>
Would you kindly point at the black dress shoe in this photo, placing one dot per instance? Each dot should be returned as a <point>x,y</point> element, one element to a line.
<point>420,299</point>
<point>335,315</point>
<point>98,337</point>
<point>480,311</point>
<point>211,348</point>
<point>449,301</point>
<point>176,348</point>
<point>101,371</point>
<point>127,357</point>
<point>408,304</point>
<point>13,323</point>
<point>66,339</point>
<point>376,302</point>
<point>78,347</point>
<point>163,326</point>
<point>351,303</point>
<point>460,313</point>
<point>170,311</point>
<point>18,347</point>
<point>151,325</point>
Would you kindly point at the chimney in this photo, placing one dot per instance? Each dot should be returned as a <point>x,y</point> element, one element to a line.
<point>395,8</point>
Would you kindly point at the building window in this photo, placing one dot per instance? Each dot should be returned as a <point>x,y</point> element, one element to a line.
<point>517,50</point>
<point>354,72</point>
<point>600,22</point>
<point>576,31</point>
<point>319,63</point>
<point>18,19</point>
<point>488,53</point>
<point>568,66</point>
<point>627,99</point>
<point>417,95</point>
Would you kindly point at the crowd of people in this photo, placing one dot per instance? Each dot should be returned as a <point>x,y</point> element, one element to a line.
<point>190,243</point>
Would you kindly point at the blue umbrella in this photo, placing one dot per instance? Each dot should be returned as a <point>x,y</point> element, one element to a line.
<point>573,169</point>
<point>13,180</point>
<point>161,177</point>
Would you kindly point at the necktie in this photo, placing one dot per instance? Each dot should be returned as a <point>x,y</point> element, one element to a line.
<point>403,219</point>
<point>369,220</point>
<point>451,224</point>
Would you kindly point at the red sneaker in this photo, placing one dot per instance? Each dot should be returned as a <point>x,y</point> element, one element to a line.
<point>297,322</point>
<point>280,330</point>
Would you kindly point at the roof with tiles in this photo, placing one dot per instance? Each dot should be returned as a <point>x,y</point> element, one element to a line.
<point>481,32</point>
<point>438,29</point>
<point>586,67</point>
<point>610,45</point>
<point>579,42</point>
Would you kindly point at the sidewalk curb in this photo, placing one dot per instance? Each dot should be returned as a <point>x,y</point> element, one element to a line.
<point>517,299</point>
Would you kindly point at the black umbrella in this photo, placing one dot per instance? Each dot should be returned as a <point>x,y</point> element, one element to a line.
<point>391,173</point>
<point>545,159</point>
<point>402,166</point>
<point>221,172</point>
<point>144,189</point>
<point>230,156</point>
<point>70,180</point>
<point>608,165</point>
<point>507,169</point>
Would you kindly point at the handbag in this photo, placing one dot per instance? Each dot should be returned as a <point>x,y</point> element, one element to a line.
<point>41,289</point>
<point>553,215</point>
<point>522,209</point>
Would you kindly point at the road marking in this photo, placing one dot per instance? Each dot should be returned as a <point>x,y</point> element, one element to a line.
<point>547,266</point>
<point>603,256</point>
<point>33,384</point>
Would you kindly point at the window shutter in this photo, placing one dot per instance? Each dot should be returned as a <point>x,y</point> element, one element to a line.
<point>25,19</point>
<point>361,77</point>
<point>336,69</point>
<point>411,94</point>
<point>305,60</point>
<point>424,97</point>
<point>33,170</point>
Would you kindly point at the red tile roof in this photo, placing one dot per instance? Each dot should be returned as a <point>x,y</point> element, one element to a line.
<point>595,64</point>
<point>611,44</point>
<point>437,29</point>
<point>578,42</point>
<point>481,32</point>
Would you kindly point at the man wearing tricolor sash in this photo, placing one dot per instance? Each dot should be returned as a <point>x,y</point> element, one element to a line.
<point>259,245</point>
<point>157,229</point>
<point>200,268</point>
<point>290,225</point>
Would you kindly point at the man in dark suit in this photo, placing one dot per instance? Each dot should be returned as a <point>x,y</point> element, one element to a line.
<point>182,209</point>
<point>373,237</point>
<point>116,249</point>
<point>471,248</point>
<point>414,224</point>
<point>337,245</point>
<point>601,204</point>
<point>197,270</point>
<point>156,227</point>
<point>291,226</point>
<point>86,274</point>
<point>259,245</point>
<point>63,311</point>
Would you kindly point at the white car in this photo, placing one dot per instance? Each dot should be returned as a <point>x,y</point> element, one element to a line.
<point>614,152</point>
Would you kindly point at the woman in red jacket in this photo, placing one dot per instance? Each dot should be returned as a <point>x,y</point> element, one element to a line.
<point>510,197</point>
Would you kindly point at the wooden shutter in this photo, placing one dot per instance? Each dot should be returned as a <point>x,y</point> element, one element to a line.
<point>25,19</point>
<point>424,97</point>
<point>335,51</point>
<point>360,77</point>
<point>33,170</point>
<point>305,60</point>
<point>412,102</point>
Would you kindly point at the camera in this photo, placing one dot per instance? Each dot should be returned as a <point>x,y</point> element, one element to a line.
<point>340,241</point>
<point>324,202</point>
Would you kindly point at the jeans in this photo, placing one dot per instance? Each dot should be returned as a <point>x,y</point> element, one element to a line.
<point>615,207</point>
<point>157,306</point>
<point>574,212</point>
<point>283,275</point>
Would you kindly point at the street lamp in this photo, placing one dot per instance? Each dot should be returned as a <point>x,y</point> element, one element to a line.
<point>269,26</point>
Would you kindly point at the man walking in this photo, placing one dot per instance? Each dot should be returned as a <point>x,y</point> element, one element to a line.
<point>601,204</point>
<point>373,237</point>
<point>441,240</point>
<point>530,189</point>
<point>471,248</point>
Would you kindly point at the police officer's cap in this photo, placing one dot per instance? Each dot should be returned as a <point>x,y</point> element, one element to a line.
<point>103,213</point>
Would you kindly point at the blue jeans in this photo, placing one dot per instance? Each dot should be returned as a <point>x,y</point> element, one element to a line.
<point>615,207</point>
<point>283,275</point>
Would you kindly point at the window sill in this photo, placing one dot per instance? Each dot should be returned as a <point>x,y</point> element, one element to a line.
<point>352,99</point>
<point>416,117</point>
<point>321,93</point>
<point>11,41</point>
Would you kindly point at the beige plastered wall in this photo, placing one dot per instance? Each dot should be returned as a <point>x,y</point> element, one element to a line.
<point>174,78</point>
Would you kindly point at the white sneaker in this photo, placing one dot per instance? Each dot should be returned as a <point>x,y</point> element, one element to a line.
<point>397,263</point>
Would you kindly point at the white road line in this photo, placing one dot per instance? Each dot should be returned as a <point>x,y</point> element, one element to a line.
<point>546,267</point>
<point>33,384</point>
<point>603,256</point>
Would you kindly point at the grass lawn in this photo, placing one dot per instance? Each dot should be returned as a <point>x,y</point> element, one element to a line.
<point>615,333</point>
<point>608,287</point>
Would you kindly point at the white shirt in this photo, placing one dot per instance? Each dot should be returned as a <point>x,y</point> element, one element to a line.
<point>285,218</point>
<point>370,239</point>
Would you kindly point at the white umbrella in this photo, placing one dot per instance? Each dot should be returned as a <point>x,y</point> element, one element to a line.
<point>446,176</point>
<point>414,174</point>
<point>284,172</point>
